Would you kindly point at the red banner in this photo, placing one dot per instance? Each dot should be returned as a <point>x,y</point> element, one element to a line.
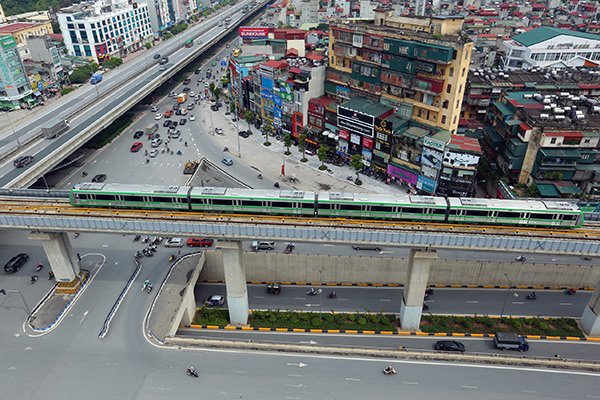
<point>250,32</point>
<point>344,134</point>
<point>367,142</point>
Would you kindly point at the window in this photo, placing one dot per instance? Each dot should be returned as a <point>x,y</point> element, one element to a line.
<point>540,216</point>
<point>451,72</point>
<point>251,203</point>
<point>412,210</point>
<point>351,207</point>
<point>553,140</point>
<point>449,88</point>
<point>445,104</point>
<point>462,74</point>
<point>443,119</point>
<point>508,214</point>
<point>222,202</point>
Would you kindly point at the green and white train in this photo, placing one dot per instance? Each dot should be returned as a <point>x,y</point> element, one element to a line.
<point>540,213</point>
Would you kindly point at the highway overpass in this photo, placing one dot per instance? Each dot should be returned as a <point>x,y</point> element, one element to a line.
<point>104,103</point>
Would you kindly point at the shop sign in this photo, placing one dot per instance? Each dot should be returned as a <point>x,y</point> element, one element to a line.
<point>277,101</point>
<point>367,142</point>
<point>432,158</point>
<point>251,32</point>
<point>277,113</point>
<point>354,138</point>
<point>402,174</point>
<point>353,126</point>
<point>344,134</point>
<point>433,143</point>
<point>426,184</point>
<point>383,126</point>
<point>266,94</point>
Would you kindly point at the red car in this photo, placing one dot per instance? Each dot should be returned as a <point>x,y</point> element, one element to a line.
<point>168,113</point>
<point>136,147</point>
<point>199,242</point>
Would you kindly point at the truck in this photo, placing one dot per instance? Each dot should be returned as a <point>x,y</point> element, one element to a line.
<point>56,129</point>
<point>510,341</point>
<point>96,78</point>
<point>150,129</point>
<point>182,97</point>
<point>189,43</point>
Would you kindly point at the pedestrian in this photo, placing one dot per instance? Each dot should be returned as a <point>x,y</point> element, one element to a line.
<point>78,257</point>
<point>178,253</point>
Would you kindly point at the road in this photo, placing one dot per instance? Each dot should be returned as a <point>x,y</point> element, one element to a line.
<point>121,84</point>
<point>549,303</point>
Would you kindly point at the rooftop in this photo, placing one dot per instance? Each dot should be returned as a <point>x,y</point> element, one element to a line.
<point>465,144</point>
<point>544,33</point>
<point>366,106</point>
<point>17,26</point>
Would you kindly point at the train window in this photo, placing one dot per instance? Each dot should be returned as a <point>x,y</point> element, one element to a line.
<point>477,213</point>
<point>412,210</point>
<point>281,204</point>
<point>568,217</point>
<point>381,208</point>
<point>508,214</point>
<point>106,197</point>
<point>351,207</point>
<point>222,202</point>
<point>252,203</point>
<point>196,200</point>
<point>454,212</point>
<point>160,199</point>
<point>82,196</point>
<point>307,205</point>
<point>324,206</point>
<point>133,198</point>
<point>438,211</point>
<point>541,216</point>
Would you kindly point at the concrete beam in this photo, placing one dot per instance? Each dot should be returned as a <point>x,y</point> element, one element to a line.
<point>419,266</point>
<point>235,282</point>
<point>590,320</point>
<point>64,264</point>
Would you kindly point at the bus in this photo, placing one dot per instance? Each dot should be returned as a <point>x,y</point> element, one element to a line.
<point>227,21</point>
<point>189,43</point>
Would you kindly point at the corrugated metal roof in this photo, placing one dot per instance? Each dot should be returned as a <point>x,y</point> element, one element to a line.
<point>544,33</point>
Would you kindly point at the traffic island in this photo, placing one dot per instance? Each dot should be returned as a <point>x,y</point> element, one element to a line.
<point>387,324</point>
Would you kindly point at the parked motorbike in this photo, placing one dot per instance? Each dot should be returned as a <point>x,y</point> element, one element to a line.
<point>521,258</point>
<point>350,178</point>
<point>172,257</point>
<point>145,239</point>
<point>570,291</point>
<point>429,291</point>
<point>276,184</point>
<point>138,254</point>
<point>389,371</point>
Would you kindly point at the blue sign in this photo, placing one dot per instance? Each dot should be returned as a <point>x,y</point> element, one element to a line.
<point>266,94</point>
<point>277,101</point>
<point>223,64</point>
<point>277,113</point>
<point>426,184</point>
<point>40,86</point>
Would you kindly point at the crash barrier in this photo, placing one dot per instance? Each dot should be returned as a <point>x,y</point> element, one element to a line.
<point>115,307</point>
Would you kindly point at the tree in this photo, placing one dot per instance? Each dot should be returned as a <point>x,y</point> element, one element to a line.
<point>113,63</point>
<point>249,117</point>
<point>322,154</point>
<point>217,93</point>
<point>211,89</point>
<point>287,141</point>
<point>267,129</point>
<point>302,146</point>
<point>148,46</point>
<point>356,162</point>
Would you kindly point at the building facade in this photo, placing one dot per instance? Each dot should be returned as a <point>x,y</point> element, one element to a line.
<point>14,85</point>
<point>23,30</point>
<point>105,28</point>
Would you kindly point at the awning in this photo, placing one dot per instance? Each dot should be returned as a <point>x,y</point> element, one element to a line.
<point>547,190</point>
<point>325,133</point>
<point>37,94</point>
<point>331,135</point>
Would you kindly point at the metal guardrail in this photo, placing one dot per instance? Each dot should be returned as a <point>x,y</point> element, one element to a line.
<point>37,193</point>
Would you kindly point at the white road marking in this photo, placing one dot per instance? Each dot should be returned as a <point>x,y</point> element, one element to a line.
<point>28,348</point>
<point>309,342</point>
<point>530,391</point>
<point>518,302</point>
<point>259,297</point>
<point>385,299</point>
<point>342,299</point>
<point>240,372</point>
<point>295,376</point>
<point>84,315</point>
<point>352,379</point>
<point>312,305</point>
<point>293,398</point>
<point>300,365</point>
<point>468,387</point>
<point>104,245</point>
<point>410,383</point>
<point>299,385</point>
<point>472,302</point>
<point>565,304</point>
<point>299,298</point>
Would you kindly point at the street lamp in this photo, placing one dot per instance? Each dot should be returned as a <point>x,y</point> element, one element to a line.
<point>506,297</point>
<point>12,128</point>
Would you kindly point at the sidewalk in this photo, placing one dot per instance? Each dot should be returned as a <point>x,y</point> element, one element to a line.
<point>268,160</point>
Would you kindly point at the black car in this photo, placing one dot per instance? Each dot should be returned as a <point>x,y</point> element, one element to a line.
<point>187,89</point>
<point>22,161</point>
<point>197,71</point>
<point>214,108</point>
<point>273,288</point>
<point>244,134</point>
<point>167,123</point>
<point>182,121</point>
<point>178,112</point>
<point>449,345</point>
<point>156,56</point>
<point>176,106</point>
<point>187,81</point>
<point>16,263</point>
<point>99,178</point>
<point>138,134</point>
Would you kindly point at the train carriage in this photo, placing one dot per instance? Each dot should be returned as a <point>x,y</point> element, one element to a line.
<point>382,206</point>
<point>115,195</point>
<point>514,212</point>
<point>253,201</point>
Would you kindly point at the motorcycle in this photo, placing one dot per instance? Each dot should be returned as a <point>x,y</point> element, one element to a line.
<point>138,255</point>
<point>50,275</point>
<point>152,248</point>
<point>137,238</point>
<point>289,248</point>
<point>83,173</point>
<point>172,257</point>
<point>521,258</point>
<point>389,371</point>
<point>192,372</point>
<point>259,176</point>
<point>332,295</point>
<point>350,178</point>
<point>429,291</point>
<point>276,184</point>
<point>179,152</point>
<point>34,279</point>
<point>225,149</point>
<point>145,239</point>
<point>39,267</point>
<point>570,291</point>
<point>531,296</point>
<point>313,292</point>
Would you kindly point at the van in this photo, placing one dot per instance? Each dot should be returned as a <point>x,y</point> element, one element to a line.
<point>510,341</point>
<point>263,245</point>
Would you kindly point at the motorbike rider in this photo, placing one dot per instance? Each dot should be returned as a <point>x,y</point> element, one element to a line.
<point>390,370</point>
<point>146,284</point>
<point>332,295</point>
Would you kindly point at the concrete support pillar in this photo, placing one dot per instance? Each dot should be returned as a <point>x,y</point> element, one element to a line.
<point>419,265</point>
<point>58,249</point>
<point>235,282</point>
<point>590,320</point>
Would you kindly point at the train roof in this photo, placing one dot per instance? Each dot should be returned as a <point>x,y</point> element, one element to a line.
<point>383,199</point>
<point>268,194</point>
<point>132,188</point>
<point>525,205</point>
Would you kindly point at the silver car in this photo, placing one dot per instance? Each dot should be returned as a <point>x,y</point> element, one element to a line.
<point>174,242</point>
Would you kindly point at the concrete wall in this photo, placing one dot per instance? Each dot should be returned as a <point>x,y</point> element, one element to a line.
<point>344,269</point>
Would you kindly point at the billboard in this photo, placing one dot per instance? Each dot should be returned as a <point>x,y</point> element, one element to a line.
<point>251,32</point>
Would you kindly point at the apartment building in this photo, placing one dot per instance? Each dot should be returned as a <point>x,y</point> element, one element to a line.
<point>105,28</point>
<point>23,30</point>
<point>14,85</point>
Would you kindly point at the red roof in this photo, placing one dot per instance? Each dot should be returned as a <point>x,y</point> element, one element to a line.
<point>56,36</point>
<point>17,26</point>
<point>564,134</point>
<point>276,64</point>
<point>322,101</point>
<point>291,53</point>
<point>538,6</point>
<point>465,143</point>
<point>295,70</point>
<point>314,57</point>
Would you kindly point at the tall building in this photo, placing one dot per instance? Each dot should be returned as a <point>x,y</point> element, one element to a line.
<point>14,85</point>
<point>104,28</point>
<point>160,15</point>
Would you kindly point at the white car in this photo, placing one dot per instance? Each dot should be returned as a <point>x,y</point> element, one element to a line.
<point>192,118</point>
<point>174,242</point>
<point>153,153</point>
<point>158,116</point>
<point>155,108</point>
<point>192,94</point>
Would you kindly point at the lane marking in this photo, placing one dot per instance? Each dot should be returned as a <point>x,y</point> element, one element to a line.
<point>468,387</point>
<point>352,379</point>
<point>240,372</point>
<point>530,391</point>
<point>295,376</point>
<point>565,304</point>
<point>410,383</point>
<point>472,302</point>
<point>518,302</point>
<point>385,299</point>
<point>298,385</point>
